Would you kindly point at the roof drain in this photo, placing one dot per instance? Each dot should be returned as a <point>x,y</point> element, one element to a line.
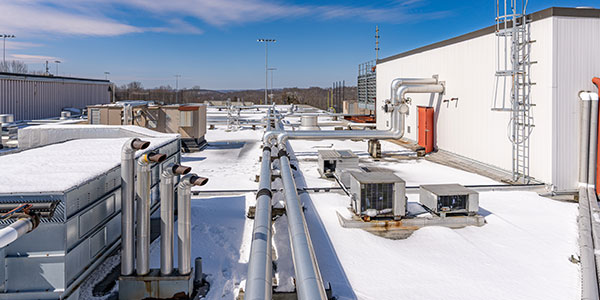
<point>166,215</point>
<point>260,267</point>
<point>127,202</point>
<point>144,185</point>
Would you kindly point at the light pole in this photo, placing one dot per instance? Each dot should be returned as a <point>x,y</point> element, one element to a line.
<point>4,37</point>
<point>57,62</point>
<point>272,69</point>
<point>266,41</point>
<point>177,88</point>
<point>106,75</point>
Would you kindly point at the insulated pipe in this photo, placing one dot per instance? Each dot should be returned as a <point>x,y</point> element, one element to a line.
<point>17,229</point>
<point>593,144</point>
<point>395,132</point>
<point>184,221</point>
<point>127,202</point>
<point>144,182</point>
<point>596,81</point>
<point>166,215</point>
<point>584,138</point>
<point>589,279</point>
<point>396,83</point>
<point>260,267</point>
<point>309,285</point>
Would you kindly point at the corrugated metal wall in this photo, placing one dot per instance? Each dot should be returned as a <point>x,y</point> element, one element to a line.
<point>30,98</point>
<point>576,61</point>
<point>467,126</point>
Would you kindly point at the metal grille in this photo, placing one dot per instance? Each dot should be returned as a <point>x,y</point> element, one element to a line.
<point>367,85</point>
<point>376,196</point>
<point>453,202</point>
<point>95,115</point>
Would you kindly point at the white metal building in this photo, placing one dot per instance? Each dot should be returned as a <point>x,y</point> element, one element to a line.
<point>29,97</point>
<point>566,50</point>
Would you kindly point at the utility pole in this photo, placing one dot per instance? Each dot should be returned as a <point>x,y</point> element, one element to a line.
<point>5,36</point>
<point>266,41</point>
<point>272,69</point>
<point>177,88</point>
<point>57,62</point>
<point>47,69</point>
<point>376,43</point>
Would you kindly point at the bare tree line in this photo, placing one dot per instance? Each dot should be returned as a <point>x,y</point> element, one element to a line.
<point>314,96</point>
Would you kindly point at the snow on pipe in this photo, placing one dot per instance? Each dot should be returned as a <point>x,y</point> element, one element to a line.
<point>309,284</point>
<point>184,220</point>
<point>17,229</point>
<point>398,110</point>
<point>588,128</point>
<point>166,215</point>
<point>144,181</point>
<point>259,285</point>
<point>127,202</point>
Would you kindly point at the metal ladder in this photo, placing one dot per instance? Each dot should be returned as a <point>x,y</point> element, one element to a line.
<point>513,72</point>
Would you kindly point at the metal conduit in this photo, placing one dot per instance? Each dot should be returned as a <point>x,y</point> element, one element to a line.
<point>309,285</point>
<point>184,221</point>
<point>260,267</point>
<point>127,203</point>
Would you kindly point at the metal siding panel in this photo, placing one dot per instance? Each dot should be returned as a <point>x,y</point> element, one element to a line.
<point>468,126</point>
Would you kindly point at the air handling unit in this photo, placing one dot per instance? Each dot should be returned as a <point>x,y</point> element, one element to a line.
<point>332,160</point>
<point>445,199</point>
<point>378,194</point>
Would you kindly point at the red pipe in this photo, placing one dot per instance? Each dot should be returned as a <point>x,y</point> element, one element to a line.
<point>596,81</point>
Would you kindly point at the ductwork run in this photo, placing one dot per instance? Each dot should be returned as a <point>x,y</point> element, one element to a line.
<point>259,285</point>
<point>184,221</point>
<point>127,202</point>
<point>166,215</point>
<point>144,180</point>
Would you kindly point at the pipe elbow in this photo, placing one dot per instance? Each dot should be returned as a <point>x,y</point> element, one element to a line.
<point>131,146</point>
<point>269,137</point>
<point>596,81</point>
<point>282,139</point>
<point>192,179</point>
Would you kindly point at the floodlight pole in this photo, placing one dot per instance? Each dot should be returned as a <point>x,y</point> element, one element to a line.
<point>4,37</point>
<point>266,41</point>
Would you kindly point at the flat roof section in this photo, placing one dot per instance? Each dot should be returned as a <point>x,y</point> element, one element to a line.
<point>536,16</point>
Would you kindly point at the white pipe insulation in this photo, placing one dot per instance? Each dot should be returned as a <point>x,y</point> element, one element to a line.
<point>15,230</point>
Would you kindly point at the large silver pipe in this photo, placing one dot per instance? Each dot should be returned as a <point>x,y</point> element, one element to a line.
<point>144,197</point>
<point>593,144</point>
<point>166,215</point>
<point>309,284</point>
<point>127,202</point>
<point>16,230</point>
<point>589,279</point>
<point>184,221</point>
<point>395,132</point>
<point>260,267</point>
<point>584,138</point>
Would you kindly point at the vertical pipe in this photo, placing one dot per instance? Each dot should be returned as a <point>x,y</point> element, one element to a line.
<point>144,181</point>
<point>259,285</point>
<point>166,215</point>
<point>184,221</point>
<point>593,141</point>
<point>584,139</point>
<point>127,202</point>
<point>309,284</point>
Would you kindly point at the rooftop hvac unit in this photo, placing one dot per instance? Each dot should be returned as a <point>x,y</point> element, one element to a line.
<point>332,160</point>
<point>445,199</point>
<point>378,194</point>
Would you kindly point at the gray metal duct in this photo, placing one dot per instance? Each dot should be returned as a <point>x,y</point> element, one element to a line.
<point>166,215</point>
<point>259,285</point>
<point>309,284</point>
<point>17,229</point>
<point>144,180</point>
<point>587,197</point>
<point>127,202</point>
<point>184,221</point>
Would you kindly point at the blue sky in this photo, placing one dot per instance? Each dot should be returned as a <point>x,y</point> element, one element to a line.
<point>212,44</point>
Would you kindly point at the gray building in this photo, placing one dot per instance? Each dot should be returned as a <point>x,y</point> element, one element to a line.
<point>30,97</point>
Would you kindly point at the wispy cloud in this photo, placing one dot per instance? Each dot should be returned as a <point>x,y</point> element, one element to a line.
<point>98,17</point>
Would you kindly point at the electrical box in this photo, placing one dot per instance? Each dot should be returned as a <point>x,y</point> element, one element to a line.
<point>332,160</point>
<point>378,194</point>
<point>445,199</point>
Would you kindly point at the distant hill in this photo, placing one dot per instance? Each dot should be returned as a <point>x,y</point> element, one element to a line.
<point>314,96</point>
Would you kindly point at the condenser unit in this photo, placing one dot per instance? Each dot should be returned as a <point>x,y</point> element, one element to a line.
<point>378,194</point>
<point>445,199</point>
<point>332,160</point>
